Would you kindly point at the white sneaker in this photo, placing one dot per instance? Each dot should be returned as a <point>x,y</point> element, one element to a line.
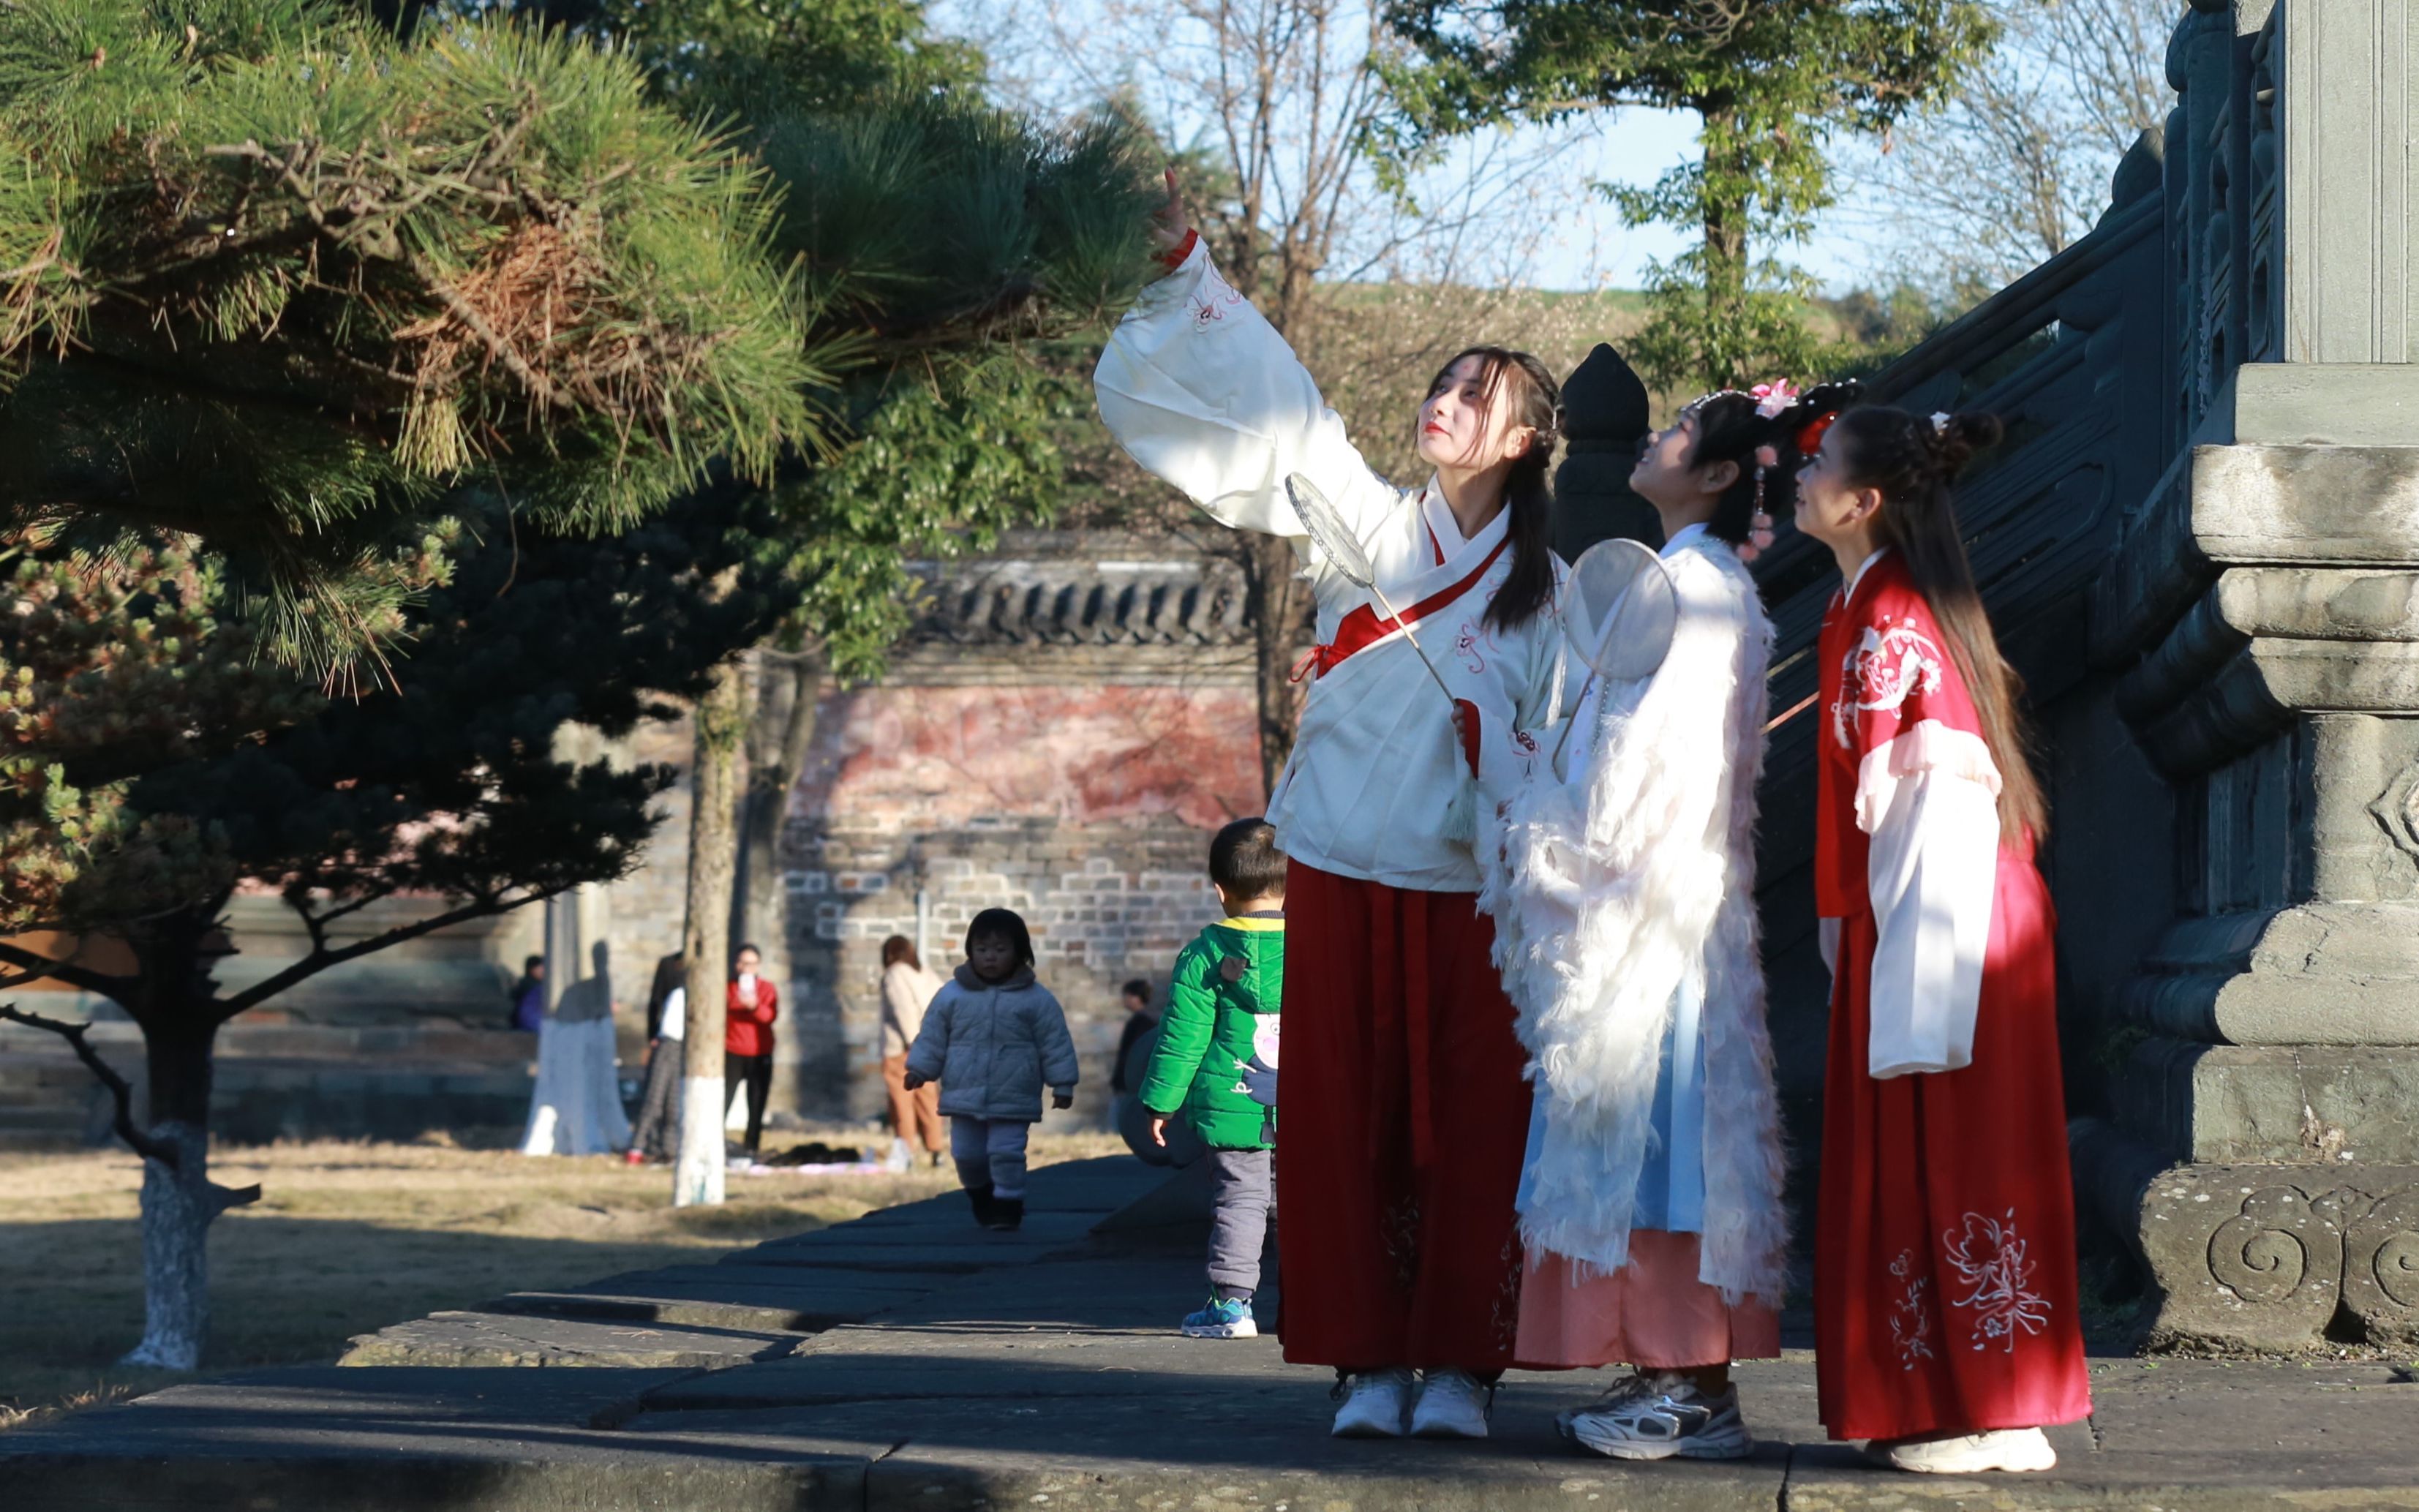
<point>1373,1404</point>
<point>1970,1454</point>
<point>1452,1405</point>
<point>1668,1419</point>
<point>1629,1388</point>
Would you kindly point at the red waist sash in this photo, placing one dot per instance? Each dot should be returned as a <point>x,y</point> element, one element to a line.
<point>1363,628</point>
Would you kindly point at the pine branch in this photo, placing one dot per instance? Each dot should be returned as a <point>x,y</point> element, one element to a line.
<point>38,966</point>
<point>322,957</point>
<point>119,1091</point>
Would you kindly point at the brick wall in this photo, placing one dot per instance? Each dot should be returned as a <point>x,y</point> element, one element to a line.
<point>1086,805</point>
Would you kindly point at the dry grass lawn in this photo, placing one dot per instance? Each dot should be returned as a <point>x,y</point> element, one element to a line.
<point>348,1238</point>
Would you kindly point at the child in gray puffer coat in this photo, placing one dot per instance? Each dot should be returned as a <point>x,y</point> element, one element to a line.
<point>992,1038</point>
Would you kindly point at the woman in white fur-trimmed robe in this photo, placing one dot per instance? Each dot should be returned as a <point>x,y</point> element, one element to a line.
<point>1405,1108</point>
<point>1650,1195</point>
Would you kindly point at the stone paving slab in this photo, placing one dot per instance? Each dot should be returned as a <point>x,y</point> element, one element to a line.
<point>704,1305</point>
<point>475,1339</point>
<point>317,1439</point>
<point>1045,1374</point>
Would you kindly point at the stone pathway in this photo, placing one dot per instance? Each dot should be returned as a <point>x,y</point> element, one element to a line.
<point>909,1360</point>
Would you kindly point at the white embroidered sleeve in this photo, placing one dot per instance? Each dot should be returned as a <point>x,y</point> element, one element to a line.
<point>1205,393</point>
<point>1930,801</point>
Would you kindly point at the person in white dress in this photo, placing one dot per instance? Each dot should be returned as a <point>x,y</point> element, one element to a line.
<point>1394,1187</point>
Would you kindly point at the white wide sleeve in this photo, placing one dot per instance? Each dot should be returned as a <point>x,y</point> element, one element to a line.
<point>1203,394</point>
<point>1929,800</point>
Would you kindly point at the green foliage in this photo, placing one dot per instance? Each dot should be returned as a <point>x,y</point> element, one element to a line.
<point>1772,83</point>
<point>711,55</point>
<point>274,279</point>
<point>105,674</point>
<point>941,463</point>
<point>192,767</point>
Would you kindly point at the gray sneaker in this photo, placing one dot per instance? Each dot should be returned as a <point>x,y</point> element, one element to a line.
<point>1670,1418</point>
<point>1629,1388</point>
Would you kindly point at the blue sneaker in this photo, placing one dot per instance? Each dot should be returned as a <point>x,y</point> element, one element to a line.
<point>1228,1320</point>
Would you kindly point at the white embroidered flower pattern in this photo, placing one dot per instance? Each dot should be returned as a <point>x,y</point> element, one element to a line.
<point>1888,663</point>
<point>1990,1258</point>
<point>1910,1314</point>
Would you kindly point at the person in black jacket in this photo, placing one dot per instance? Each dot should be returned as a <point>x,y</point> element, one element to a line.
<point>1140,1021</point>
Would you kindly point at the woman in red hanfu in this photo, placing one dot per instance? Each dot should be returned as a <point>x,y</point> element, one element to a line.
<point>1943,1273</point>
<point>1405,1110</point>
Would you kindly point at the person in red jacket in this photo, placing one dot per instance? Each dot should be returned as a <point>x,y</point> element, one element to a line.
<point>747,1041</point>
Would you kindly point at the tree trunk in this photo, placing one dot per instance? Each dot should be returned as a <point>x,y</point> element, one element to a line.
<point>721,722</point>
<point>779,738</point>
<point>1729,181</point>
<point>1276,599</point>
<point>179,1202</point>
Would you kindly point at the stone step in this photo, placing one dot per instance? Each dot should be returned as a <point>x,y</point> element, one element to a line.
<point>474,1340</point>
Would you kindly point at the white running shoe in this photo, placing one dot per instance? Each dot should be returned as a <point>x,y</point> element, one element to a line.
<point>1452,1405</point>
<point>1971,1454</point>
<point>1630,1387</point>
<point>1374,1402</point>
<point>1669,1418</point>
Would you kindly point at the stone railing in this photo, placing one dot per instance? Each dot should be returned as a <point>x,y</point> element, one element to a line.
<point>2200,546</point>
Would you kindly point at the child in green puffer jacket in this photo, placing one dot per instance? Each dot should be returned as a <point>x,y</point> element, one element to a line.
<point>1217,1064</point>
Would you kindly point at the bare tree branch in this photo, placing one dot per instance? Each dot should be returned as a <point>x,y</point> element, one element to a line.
<point>119,1091</point>
<point>322,957</point>
<point>38,966</point>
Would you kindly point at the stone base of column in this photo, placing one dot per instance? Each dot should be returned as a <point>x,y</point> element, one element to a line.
<point>2264,1256</point>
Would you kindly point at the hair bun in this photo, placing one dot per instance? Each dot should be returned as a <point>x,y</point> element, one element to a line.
<point>1961,436</point>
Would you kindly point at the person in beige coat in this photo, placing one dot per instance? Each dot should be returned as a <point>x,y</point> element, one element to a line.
<point>907,990</point>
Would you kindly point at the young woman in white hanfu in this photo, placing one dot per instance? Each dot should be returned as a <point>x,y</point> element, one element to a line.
<point>1404,1104</point>
<point>1650,1198</point>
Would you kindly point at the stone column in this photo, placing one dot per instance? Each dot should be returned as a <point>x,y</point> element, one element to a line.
<point>2265,1140</point>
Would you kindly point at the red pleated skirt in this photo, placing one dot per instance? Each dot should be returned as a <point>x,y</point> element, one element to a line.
<point>1405,1119</point>
<point>1944,1255</point>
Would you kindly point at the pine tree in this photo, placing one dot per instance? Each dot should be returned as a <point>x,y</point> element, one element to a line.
<point>276,280</point>
<point>184,767</point>
<point>352,340</point>
<point>1771,83</point>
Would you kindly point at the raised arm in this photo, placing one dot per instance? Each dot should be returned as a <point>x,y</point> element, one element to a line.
<point>1206,395</point>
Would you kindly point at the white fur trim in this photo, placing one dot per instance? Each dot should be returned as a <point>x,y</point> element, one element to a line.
<point>1613,888</point>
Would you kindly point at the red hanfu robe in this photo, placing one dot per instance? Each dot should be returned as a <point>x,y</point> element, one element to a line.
<point>1945,1264</point>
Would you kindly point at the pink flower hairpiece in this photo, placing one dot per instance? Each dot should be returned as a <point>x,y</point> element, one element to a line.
<point>1773,398</point>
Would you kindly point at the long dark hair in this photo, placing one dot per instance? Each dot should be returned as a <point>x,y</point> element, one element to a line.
<point>1913,463</point>
<point>1527,491</point>
<point>900,947</point>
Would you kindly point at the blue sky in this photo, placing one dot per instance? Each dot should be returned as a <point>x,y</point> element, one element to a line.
<point>1060,54</point>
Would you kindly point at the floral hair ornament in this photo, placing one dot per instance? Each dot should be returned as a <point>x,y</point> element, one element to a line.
<point>1759,528</point>
<point>1773,399</point>
<point>1810,435</point>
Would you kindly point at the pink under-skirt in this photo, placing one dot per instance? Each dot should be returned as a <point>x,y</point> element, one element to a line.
<point>1652,1313</point>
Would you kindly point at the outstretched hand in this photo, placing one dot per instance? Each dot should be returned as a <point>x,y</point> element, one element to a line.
<point>1171,222</point>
